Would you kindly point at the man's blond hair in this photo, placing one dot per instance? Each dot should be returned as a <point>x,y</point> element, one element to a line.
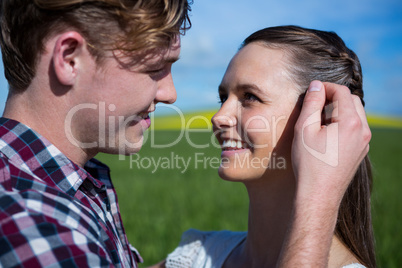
<point>126,25</point>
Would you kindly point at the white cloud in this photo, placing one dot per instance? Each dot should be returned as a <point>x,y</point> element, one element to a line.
<point>373,29</point>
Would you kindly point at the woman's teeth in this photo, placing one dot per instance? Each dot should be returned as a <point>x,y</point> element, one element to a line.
<point>234,144</point>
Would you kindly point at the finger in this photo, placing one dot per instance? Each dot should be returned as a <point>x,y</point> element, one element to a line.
<point>363,118</point>
<point>343,103</point>
<point>360,110</point>
<point>313,105</point>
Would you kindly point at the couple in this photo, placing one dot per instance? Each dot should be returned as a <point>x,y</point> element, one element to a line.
<point>58,204</point>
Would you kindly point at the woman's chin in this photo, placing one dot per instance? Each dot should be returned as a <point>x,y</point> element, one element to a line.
<point>238,174</point>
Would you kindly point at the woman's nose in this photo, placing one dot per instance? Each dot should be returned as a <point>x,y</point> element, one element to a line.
<point>225,117</point>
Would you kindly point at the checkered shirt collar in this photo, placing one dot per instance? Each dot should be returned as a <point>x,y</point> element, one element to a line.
<point>35,155</point>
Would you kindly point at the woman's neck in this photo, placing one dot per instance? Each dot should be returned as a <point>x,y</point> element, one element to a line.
<point>271,204</point>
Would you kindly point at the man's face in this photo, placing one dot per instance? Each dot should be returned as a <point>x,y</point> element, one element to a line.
<point>117,98</point>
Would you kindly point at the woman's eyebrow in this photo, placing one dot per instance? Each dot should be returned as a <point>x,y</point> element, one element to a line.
<point>253,87</point>
<point>243,87</point>
<point>221,89</point>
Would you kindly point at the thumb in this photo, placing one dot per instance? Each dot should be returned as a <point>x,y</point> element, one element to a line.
<point>313,104</point>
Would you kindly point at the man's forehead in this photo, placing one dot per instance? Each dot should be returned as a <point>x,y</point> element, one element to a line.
<point>151,57</point>
<point>167,55</point>
<point>171,52</point>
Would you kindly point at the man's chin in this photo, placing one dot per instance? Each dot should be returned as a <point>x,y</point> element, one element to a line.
<point>123,150</point>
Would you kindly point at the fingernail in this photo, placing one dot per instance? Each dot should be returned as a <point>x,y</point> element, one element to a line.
<point>315,86</point>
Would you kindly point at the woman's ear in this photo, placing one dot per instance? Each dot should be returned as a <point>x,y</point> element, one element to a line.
<point>67,54</point>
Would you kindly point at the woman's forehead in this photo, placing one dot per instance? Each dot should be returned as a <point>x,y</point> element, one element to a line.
<point>256,62</point>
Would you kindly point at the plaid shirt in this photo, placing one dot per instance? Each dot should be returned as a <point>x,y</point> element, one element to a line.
<point>53,212</point>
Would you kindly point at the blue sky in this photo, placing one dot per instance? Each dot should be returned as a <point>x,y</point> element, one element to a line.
<point>372,28</point>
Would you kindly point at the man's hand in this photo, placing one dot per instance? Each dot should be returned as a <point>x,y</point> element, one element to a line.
<point>325,157</point>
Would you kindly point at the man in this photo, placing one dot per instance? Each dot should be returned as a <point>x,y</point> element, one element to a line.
<point>68,62</point>
<point>65,61</point>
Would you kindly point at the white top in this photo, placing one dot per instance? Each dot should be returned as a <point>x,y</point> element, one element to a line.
<point>199,249</point>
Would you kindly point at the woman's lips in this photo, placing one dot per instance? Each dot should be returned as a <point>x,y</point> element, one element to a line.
<point>147,121</point>
<point>232,147</point>
<point>231,144</point>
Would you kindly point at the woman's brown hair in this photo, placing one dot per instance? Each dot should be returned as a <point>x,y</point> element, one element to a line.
<point>320,55</point>
<point>127,25</point>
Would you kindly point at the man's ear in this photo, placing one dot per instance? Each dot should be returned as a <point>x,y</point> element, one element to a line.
<point>67,53</point>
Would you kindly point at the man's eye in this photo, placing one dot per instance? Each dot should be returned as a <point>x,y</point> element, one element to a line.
<point>158,74</point>
<point>155,72</point>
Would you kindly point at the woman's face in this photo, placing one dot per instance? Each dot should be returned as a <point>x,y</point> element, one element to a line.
<point>258,98</point>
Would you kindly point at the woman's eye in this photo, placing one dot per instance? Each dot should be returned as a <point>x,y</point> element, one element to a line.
<point>222,99</point>
<point>250,97</point>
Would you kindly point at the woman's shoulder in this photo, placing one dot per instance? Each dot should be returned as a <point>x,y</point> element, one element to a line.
<point>193,235</point>
<point>354,265</point>
<point>204,249</point>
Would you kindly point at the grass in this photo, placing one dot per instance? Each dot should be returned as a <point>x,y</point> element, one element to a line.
<point>386,156</point>
<point>202,119</point>
<point>158,206</point>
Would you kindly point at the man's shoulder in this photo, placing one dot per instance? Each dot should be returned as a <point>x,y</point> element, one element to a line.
<point>8,173</point>
<point>4,163</point>
<point>40,217</point>
<point>49,226</point>
<point>29,206</point>
<point>54,206</point>
<point>24,193</point>
<point>14,177</point>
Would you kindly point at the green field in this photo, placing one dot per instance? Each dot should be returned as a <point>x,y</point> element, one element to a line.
<point>158,205</point>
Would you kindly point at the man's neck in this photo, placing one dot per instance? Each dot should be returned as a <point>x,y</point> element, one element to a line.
<point>48,119</point>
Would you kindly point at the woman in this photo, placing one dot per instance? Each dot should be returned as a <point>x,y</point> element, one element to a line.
<point>261,95</point>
